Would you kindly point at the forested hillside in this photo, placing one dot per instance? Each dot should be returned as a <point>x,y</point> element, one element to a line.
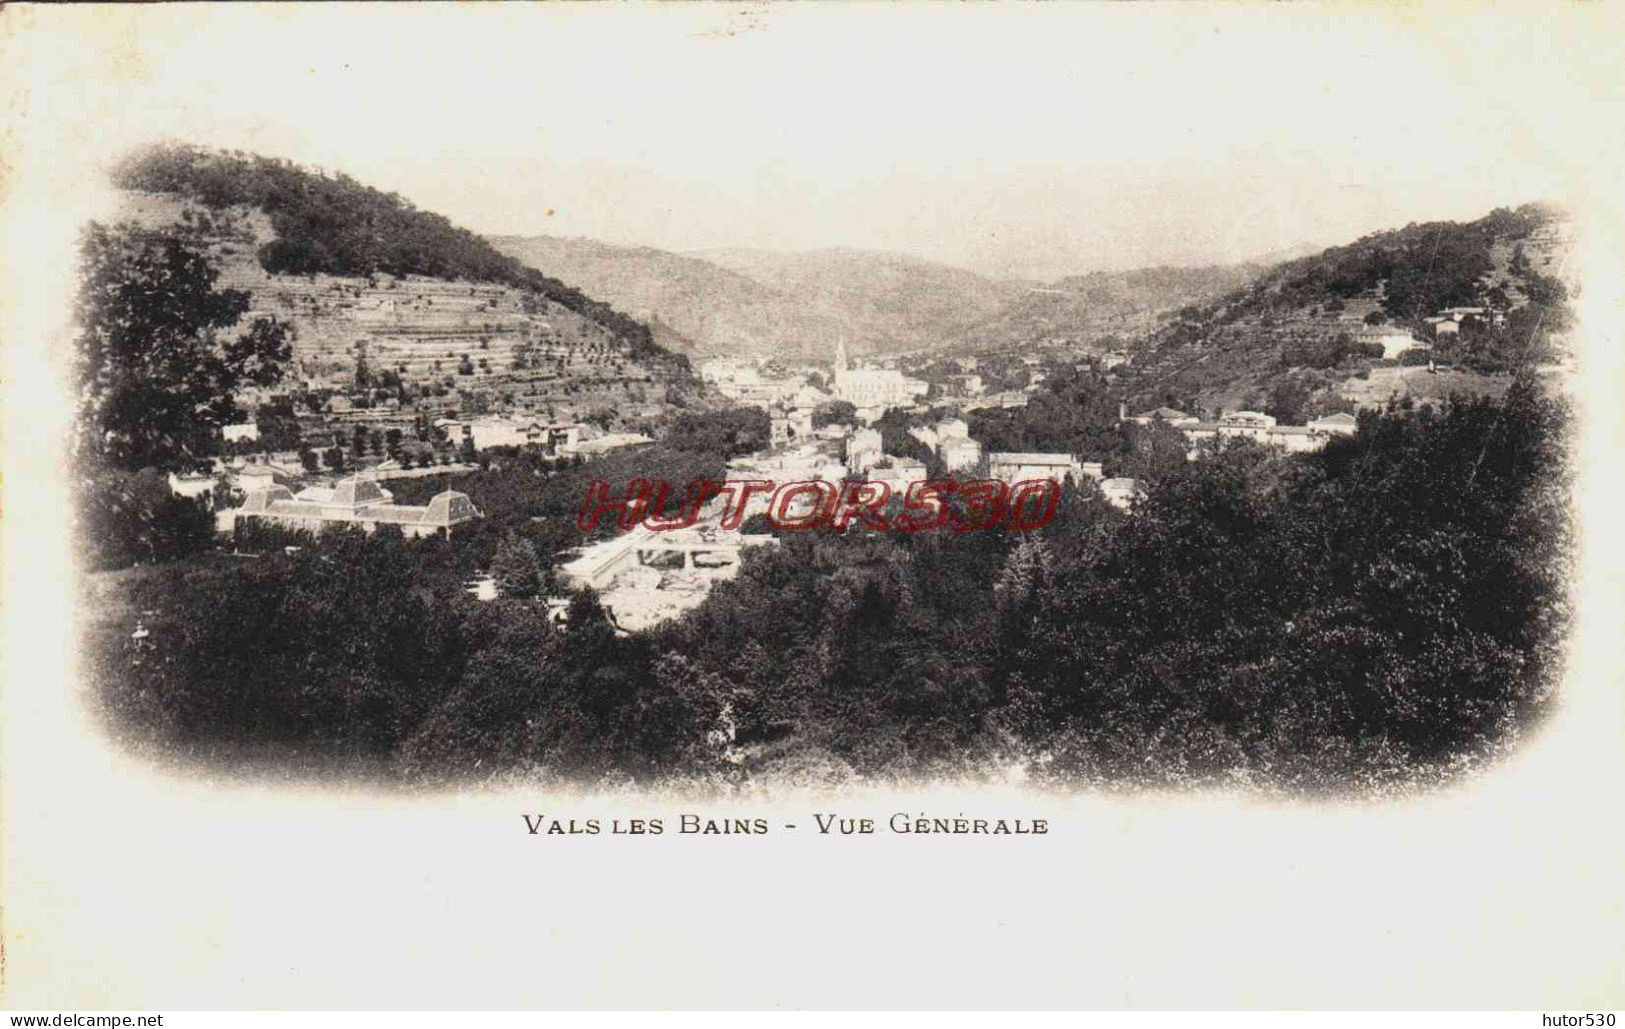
<point>379,294</point>
<point>1101,310</point>
<point>338,226</point>
<point>1307,326</point>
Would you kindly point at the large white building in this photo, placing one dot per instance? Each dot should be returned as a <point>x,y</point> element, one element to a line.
<point>601,445</point>
<point>192,485</point>
<point>1166,415</point>
<point>874,387</point>
<point>353,501</point>
<point>898,474</point>
<point>1011,468</point>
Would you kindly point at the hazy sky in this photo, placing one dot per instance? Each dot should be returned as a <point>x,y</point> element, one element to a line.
<point>1015,140</point>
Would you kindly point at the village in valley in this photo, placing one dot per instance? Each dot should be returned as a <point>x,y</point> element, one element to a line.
<point>400,425</point>
<point>821,423</point>
<point>635,573</point>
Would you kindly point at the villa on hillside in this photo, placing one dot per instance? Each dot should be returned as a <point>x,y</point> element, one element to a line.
<point>1449,321</point>
<point>1339,424</point>
<point>606,443</point>
<point>1393,341</point>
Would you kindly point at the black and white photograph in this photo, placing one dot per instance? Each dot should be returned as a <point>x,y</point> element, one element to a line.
<point>1108,506</point>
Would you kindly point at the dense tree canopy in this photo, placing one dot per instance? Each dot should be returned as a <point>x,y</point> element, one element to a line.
<point>159,356</point>
<point>1386,609</point>
<point>159,353</point>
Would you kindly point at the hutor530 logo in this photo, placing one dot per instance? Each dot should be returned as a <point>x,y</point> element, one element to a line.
<point>817,503</point>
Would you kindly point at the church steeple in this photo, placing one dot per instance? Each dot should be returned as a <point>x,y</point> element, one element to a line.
<point>840,353</point>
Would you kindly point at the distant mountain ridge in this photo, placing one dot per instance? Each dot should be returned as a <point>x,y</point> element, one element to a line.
<point>692,302</point>
<point>1101,310</point>
<point>797,304</point>
<point>765,303</point>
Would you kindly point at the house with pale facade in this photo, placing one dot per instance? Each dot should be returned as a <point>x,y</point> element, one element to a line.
<point>959,453</point>
<point>1011,468</point>
<point>790,426</point>
<point>1339,424</point>
<point>863,446</point>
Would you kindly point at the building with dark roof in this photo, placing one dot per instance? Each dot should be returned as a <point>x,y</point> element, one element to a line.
<point>354,501</point>
<point>1167,415</point>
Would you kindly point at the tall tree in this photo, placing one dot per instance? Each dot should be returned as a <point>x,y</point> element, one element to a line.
<point>160,352</point>
<point>516,569</point>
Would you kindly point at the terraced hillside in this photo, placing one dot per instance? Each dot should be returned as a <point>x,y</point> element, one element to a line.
<point>490,329</point>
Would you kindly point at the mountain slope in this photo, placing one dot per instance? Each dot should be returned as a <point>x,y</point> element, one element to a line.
<point>375,288</point>
<point>1307,325</point>
<point>888,302</point>
<point>764,303</point>
<point>694,302</point>
<point>1101,310</point>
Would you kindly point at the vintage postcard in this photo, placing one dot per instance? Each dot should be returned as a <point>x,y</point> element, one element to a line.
<point>776,506</point>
